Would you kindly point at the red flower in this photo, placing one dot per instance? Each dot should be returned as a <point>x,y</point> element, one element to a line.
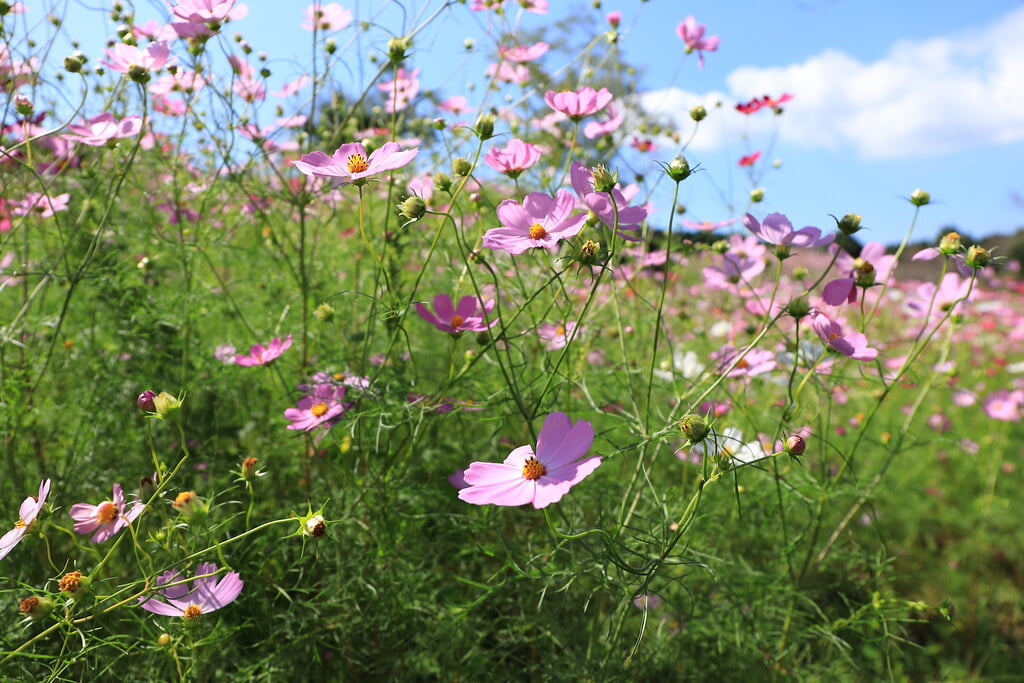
<point>750,159</point>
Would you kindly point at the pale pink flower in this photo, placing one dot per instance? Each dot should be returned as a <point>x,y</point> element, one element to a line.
<point>854,344</point>
<point>595,129</point>
<point>539,478</point>
<point>27,513</point>
<point>938,300</point>
<point>107,518</point>
<point>329,17</point>
<point>123,57</point>
<point>323,407</point>
<point>576,105</point>
<point>1004,405</point>
<point>555,337</point>
<point>514,158</point>
<point>293,87</point>
<point>182,80</point>
<point>707,226</point>
<point>755,362</point>
<point>523,53</point>
<point>45,206</point>
<point>692,35</point>
<point>457,319</point>
<point>619,215</point>
<point>540,221</point>
<point>740,265</point>
<point>204,17</point>
<point>776,229</point>
<point>401,90</point>
<point>261,355</point>
<point>456,104</point>
<point>190,599</point>
<point>508,72</point>
<point>350,163</point>
<point>101,129</point>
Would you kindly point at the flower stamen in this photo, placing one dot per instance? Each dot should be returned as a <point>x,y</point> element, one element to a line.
<point>357,163</point>
<point>533,469</point>
<point>537,232</point>
<point>318,409</point>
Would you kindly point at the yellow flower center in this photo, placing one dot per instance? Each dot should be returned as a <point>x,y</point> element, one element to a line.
<point>743,363</point>
<point>533,469</point>
<point>106,512</point>
<point>20,524</point>
<point>192,611</point>
<point>560,331</point>
<point>457,321</point>
<point>537,232</point>
<point>318,409</point>
<point>357,163</point>
<point>183,499</point>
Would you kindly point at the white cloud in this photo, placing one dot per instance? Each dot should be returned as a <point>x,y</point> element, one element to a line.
<point>922,99</point>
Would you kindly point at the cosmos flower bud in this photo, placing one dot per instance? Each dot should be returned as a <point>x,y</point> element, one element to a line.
<point>23,105</point>
<point>412,208</point>
<point>164,640</point>
<point>189,505</point>
<point>331,46</point>
<point>147,487</point>
<point>442,182</point>
<point>589,253</point>
<point>166,405</point>
<point>698,113</point>
<point>312,523</point>
<point>800,272</point>
<point>919,197</point>
<point>324,312</point>
<point>849,224</point>
<point>795,444</point>
<point>694,428</point>
<point>720,247</point>
<point>35,608</point>
<point>949,244</point>
<point>485,126</point>
<point>977,257</point>
<point>757,194</point>
<point>248,470</point>
<point>461,166</point>
<point>73,63</point>
<point>139,74</point>
<point>439,123</point>
<point>604,180</point>
<point>798,307</point>
<point>397,49</point>
<point>74,585</point>
<point>145,401</point>
<point>678,169</point>
<point>865,272</point>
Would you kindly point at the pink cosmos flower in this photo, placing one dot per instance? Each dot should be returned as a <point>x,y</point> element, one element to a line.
<point>758,103</point>
<point>595,129</point>
<point>692,35</point>
<point>107,518</point>
<point>323,407</point>
<point>707,226</point>
<point>539,478</point>
<point>400,90</point>
<point>600,204</point>
<point>123,57</point>
<point>514,158</point>
<point>42,205</point>
<point>523,53</point>
<point>189,599</point>
<point>556,337</point>
<point>740,265</point>
<point>261,355</point>
<point>756,362</point>
<point>777,230</point>
<point>509,72</point>
<point>576,105</point>
<point>100,129</point>
<point>457,319</point>
<point>539,221</point>
<point>614,18</point>
<point>844,289</point>
<point>329,17</point>
<point>456,104</point>
<point>938,300</point>
<point>293,87</point>
<point>27,513</point>
<point>1004,405</point>
<point>202,11</point>
<point>181,80</point>
<point>350,164</point>
<point>854,345</point>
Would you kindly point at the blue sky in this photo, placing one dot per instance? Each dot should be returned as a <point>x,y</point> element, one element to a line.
<point>889,96</point>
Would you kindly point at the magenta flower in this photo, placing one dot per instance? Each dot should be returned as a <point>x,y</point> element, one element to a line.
<point>523,53</point>
<point>350,164</point>
<point>854,345</point>
<point>261,355</point>
<point>514,158</point>
<point>539,478</point>
<point>692,35</point>
<point>188,599</point>
<point>600,204</point>
<point>123,57</point>
<point>1000,405</point>
<point>323,407</point>
<point>27,513</point>
<point>461,318</point>
<point>540,221</point>
<point>100,129</point>
<point>107,518</point>
<point>576,105</point>
<point>776,229</point>
<point>844,289</point>
<point>329,17</point>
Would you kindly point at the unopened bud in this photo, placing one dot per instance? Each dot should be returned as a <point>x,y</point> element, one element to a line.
<point>485,126</point>
<point>145,401</point>
<point>324,312</point>
<point>249,469</point>
<point>461,166</point>
<point>798,307</point>
<point>397,49</point>
<point>147,487</point>
<point>795,444</point>
<point>720,247</point>
<point>757,194</point>
<point>73,63</point>
<point>23,105</point>
<point>166,405</point>
<point>678,169</point>
<point>849,224</point>
<point>604,180</point>
<point>442,182</point>
<point>694,428</point>
<point>412,208</point>
<point>864,272</point>
<point>949,244</point>
<point>189,505</point>
<point>698,113</point>
<point>439,123</point>
<point>919,197</point>
<point>164,640</point>
<point>330,46</point>
<point>977,257</point>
